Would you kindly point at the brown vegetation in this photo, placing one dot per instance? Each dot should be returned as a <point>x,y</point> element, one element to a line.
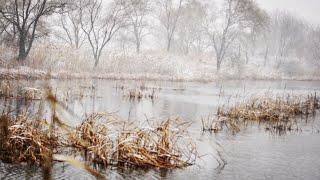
<point>25,140</point>
<point>102,139</point>
<point>210,124</point>
<point>157,147</point>
<point>10,90</point>
<point>138,94</point>
<point>278,114</point>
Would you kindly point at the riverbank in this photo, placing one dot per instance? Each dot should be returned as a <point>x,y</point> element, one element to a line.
<point>27,73</point>
<point>66,63</point>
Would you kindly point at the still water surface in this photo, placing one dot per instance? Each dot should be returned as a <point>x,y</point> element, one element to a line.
<point>251,154</point>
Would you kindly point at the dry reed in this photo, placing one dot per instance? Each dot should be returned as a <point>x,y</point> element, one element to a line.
<point>24,140</point>
<point>210,124</point>
<point>158,147</point>
<point>137,94</point>
<point>278,114</point>
<point>101,137</point>
<point>8,90</point>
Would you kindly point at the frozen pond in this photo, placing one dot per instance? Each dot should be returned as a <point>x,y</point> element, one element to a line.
<point>251,154</point>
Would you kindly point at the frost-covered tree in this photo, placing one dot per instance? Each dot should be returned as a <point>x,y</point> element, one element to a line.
<point>137,12</point>
<point>3,25</point>
<point>101,24</point>
<point>6,31</point>
<point>70,25</point>
<point>190,33</point>
<point>235,18</point>
<point>170,12</point>
<point>287,32</point>
<point>26,16</point>
<point>313,53</point>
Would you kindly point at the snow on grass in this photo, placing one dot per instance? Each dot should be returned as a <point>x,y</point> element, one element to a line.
<point>66,63</point>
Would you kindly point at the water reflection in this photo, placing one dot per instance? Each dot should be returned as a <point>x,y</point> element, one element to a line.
<point>251,154</point>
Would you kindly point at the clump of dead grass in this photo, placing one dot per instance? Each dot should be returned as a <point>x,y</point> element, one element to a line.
<point>24,140</point>
<point>210,124</point>
<point>279,114</point>
<point>137,94</point>
<point>6,89</point>
<point>103,139</point>
<point>157,147</point>
<point>93,139</point>
<point>9,90</point>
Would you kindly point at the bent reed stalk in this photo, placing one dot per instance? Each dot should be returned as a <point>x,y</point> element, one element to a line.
<point>32,139</point>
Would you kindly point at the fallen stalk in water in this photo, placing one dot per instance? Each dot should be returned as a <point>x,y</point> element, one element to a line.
<point>100,137</point>
<point>26,140</point>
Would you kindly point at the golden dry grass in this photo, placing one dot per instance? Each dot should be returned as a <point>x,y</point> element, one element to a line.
<point>102,138</point>
<point>210,124</point>
<point>278,114</point>
<point>157,147</point>
<point>24,140</point>
<point>6,89</point>
<point>9,90</point>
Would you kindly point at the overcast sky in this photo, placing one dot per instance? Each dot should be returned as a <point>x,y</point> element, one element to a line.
<point>307,9</point>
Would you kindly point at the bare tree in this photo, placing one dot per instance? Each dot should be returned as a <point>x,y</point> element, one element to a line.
<point>137,11</point>
<point>70,23</point>
<point>266,44</point>
<point>249,39</point>
<point>237,17</point>
<point>3,25</point>
<point>170,12</point>
<point>8,34</point>
<point>25,16</point>
<point>99,27</point>
<point>313,52</point>
<point>287,32</point>
<point>190,31</point>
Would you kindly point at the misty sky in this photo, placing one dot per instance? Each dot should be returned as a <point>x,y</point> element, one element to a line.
<point>307,9</point>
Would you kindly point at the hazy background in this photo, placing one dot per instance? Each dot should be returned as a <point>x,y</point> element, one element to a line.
<point>306,9</point>
<point>160,39</point>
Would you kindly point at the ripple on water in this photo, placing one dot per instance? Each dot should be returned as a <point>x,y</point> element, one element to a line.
<point>252,154</point>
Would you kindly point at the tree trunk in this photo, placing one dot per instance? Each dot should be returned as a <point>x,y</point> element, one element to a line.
<point>138,47</point>
<point>96,62</point>
<point>22,47</point>
<point>169,45</point>
<point>247,57</point>
<point>266,57</point>
<point>218,65</point>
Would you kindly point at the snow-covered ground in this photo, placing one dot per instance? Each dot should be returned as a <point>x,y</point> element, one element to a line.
<point>66,63</point>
